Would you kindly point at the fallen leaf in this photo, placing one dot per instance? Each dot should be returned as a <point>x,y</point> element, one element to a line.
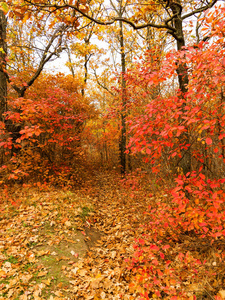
<point>47,281</point>
<point>59,285</point>
<point>7,265</point>
<point>42,273</point>
<point>70,241</point>
<point>58,293</point>
<point>42,252</point>
<point>2,273</point>
<point>68,224</point>
<point>13,282</point>
<point>107,283</point>
<point>23,297</point>
<point>83,272</point>
<point>113,254</point>
<point>64,258</point>
<point>26,278</point>
<point>222,294</point>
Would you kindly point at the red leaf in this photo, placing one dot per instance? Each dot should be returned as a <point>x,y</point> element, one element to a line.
<point>208,141</point>
<point>148,151</point>
<point>141,241</point>
<point>154,247</point>
<point>166,247</point>
<point>202,176</point>
<point>205,229</point>
<point>174,154</point>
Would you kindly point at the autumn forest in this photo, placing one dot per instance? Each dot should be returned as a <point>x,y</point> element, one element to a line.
<point>112,149</point>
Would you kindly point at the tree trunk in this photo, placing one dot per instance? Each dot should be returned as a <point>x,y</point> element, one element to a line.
<point>123,137</point>
<point>185,162</point>
<point>3,78</point>
<point>86,59</point>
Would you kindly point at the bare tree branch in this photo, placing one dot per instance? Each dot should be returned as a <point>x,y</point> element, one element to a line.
<point>170,28</point>
<point>115,19</point>
<point>101,85</point>
<point>201,9</point>
<point>46,56</point>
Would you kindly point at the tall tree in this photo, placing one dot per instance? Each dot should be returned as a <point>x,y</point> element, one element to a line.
<point>3,76</point>
<point>123,44</point>
<point>119,9</point>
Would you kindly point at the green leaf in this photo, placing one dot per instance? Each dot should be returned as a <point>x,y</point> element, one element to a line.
<point>2,50</point>
<point>4,7</point>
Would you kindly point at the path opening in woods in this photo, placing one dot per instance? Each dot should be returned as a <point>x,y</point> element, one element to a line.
<point>95,243</point>
<point>42,238</point>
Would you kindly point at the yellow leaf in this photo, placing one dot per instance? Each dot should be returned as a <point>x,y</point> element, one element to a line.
<point>47,281</point>
<point>2,273</point>
<point>222,294</point>
<point>59,294</point>
<point>26,17</point>
<point>98,276</point>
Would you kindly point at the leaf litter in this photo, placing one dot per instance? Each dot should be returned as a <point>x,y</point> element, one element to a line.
<point>39,242</point>
<point>46,245</point>
<point>76,245</point>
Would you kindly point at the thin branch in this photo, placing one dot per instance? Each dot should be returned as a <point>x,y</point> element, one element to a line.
<point>70,61</point>
<point>115,19</point>
<point>198,26</point>
<point>45,58</point>
<point>170,29</point>
<point>101,85</point>
<point>199,10</point>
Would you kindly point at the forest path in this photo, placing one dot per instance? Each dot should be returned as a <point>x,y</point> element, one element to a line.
<point>99,242</point>
<point>42,235</point>
<point>46,240</point>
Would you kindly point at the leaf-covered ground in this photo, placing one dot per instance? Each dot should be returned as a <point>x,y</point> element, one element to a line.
<point>46,239</point>
<point>40,240</point>
<point>58,244</point>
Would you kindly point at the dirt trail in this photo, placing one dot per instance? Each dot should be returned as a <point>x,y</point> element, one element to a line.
<point>47,244</point>
<point>40,241</point>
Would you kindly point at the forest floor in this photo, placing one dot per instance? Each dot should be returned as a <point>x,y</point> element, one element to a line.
<point>67,244</point>
<point>58,244</point>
